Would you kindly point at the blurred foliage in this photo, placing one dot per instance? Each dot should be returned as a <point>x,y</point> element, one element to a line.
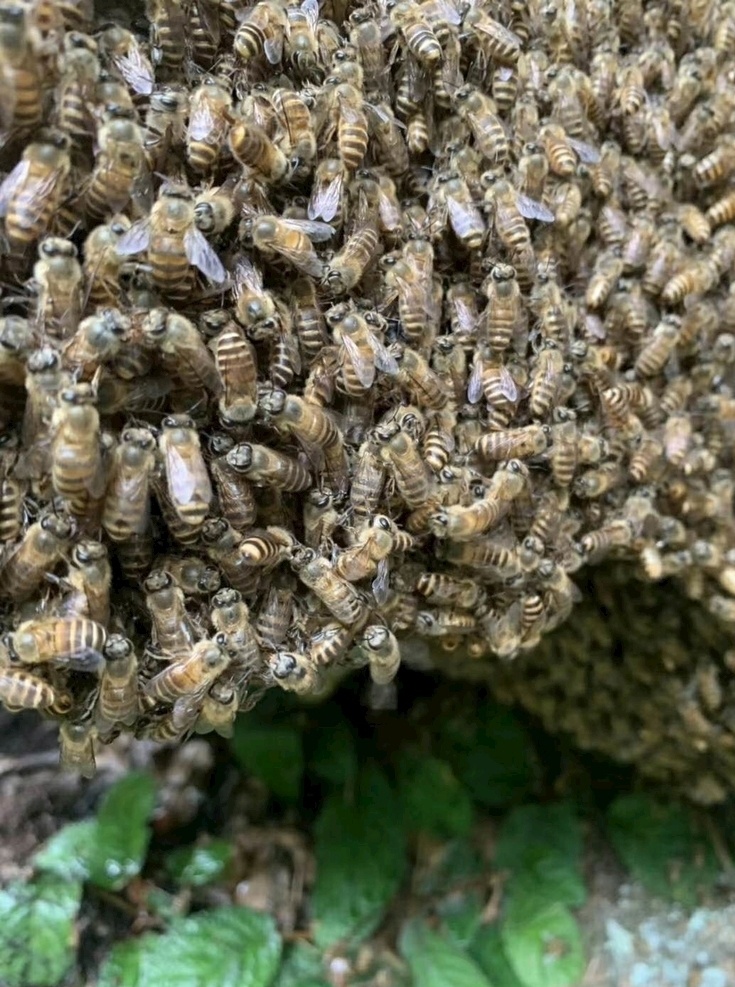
<point>438,860</point>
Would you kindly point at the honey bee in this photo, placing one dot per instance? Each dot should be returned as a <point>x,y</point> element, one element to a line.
<point>165,125</point>
<point>657,351</point>
<point>80,72</point>
<point>189,677</point>
<point>187,480</point>
<point>718,165</point>
<point>21,97</point>
<point>167,19</point>
<point>210,112</point>
<point>367,556</point>
<point>351,125</point>
<point>361,350</point>
<point>442,589</point>
<point>339,597</point>
<point>491,37</point>
<point>191,574</point>
<point>71,641</point>
<point>58,276</point>
<point>455,202</point>
<point>409,279</point>
<point>480,113</point>
<point>87,583</point>
<point>266,467</point>
<point>262,32</point>
<point>292,240</point>
<point>460,523</point>
<point>127,501</point>
<point>182,350</point>
<point>566,447</point>
<point>517,443</point>
<point>254,149</point>
<point>222,543</point>
<point>417,32</point>
<point>295,672</point>
<point>442,623</point>
<point>308,319</point>
<point>508,209</point>
<point>118,696</point>
<point>31,194</point>
<point>219,709</point>
<point>308,423</point>
<point>274,618</point>
<point>77,473</point>
<point>234,360</point>
<point>265,548</point>
<point>23,690</point>
<point>380,647</point>
<point>119,167</point>
<point>366,37</point>
<point>596,482</point>
<point>39,551</point>
<point>299,138</point>
<point>214,211</point>
<point>173,243</point>
<point>402,454</point>
<point>345,269</point>
<point>102,264</point>
<point>76,747</point>
<point>172,632</point>
<point>126,56</point>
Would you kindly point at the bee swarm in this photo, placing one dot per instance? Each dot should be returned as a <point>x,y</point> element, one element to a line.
<point>328,328</point>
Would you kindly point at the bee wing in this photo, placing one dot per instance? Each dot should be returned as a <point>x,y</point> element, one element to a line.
<point>202,123</point>
<point>310,10</point>
<point>201,254</point>
<point>508,386</point>
<point>11,182</point>
<point>351,114</point>
<point>248,276</point>
<point>136,240</point>
<point>584,151</point>
<point>325,200</point>
<point>532,209</point>
<point>364,368</point>
<point>495,29</point>
<point>380,585</point>
<point>466,318</point>
<point>180,476</point>
<point>390,217</point>
<point>136,70</point>
<point>273,49</point>
<point>474,383</point>
<point>305,260</point>
<point>463,214</point>
<point>384,360</point>
<point>318,232</point>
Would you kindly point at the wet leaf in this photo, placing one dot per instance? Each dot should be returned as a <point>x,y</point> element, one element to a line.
<point>660,845</point>
<point>225,947</point>
<point>274,754</point>
<point>110,850</point>
<point>361,860</point>
<point>433,799</point>
<point>437,962</point>
<point>37,931</point>
<point>543,944</point>
<point>198,865</point>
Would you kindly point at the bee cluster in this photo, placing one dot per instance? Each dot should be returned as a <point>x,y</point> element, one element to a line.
<point>351,324</point>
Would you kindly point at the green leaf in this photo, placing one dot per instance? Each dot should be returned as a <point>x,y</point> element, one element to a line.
<point>37,931</point>
<point>303,966</point>
<point>433,799</point>
<point>110,850</point>
<point>541,845</point>
<point>461,914</point>
<point>224,947</point>
<point>661,846</point>
<point>436,962</point>
<point>543,945</point>
<point>361,859</point>
<point>198,865</point>
<point>333,755</point>
<point>274,754</point>
<point>486,949</point>
<point>490,753</point>
<point>457,862</point>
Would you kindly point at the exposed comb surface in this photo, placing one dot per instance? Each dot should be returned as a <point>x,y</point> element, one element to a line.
<point>330,327</point>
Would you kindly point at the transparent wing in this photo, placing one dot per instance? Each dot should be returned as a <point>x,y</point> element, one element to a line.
<point>508,386</point>
<point>474,383</point>
<point>318,232</point>
<point>201,254</point>
<point>532,209</point>
<point>464,215</point>
<point>584,151</point>
<point>137,71</point>
<point>11,183</point>
<point>248,276</point>
<point>310,10</point>
<point>384,360</point>
<point>273,49</point>
<point>203,123</point>
<point>326,199</point>
<point>363,367</point>
<point>380,585</point>
<point>136,240</point>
